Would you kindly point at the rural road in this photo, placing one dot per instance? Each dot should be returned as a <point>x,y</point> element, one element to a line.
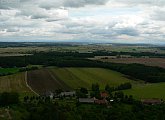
<point>28,85</point>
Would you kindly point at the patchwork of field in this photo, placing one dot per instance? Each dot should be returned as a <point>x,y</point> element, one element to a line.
<point>72,78</point>
<point>156,90</point>
<point>14,83</point>
<point>50,79</point>
<point>159,62</point>
<point>27,50</point>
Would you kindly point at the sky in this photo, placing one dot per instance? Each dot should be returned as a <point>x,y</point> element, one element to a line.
<point>110,21</point>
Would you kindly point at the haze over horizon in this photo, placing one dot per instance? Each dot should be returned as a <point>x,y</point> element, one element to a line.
<point>111,21</point>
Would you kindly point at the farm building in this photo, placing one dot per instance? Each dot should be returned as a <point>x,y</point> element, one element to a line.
<point>86,100</point>
<point>151,101</point>
<point>101,102</point>
<point>104,94</point>
<point>68,94</point>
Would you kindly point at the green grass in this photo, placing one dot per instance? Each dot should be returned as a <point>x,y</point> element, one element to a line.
<point>8,70</point>
<point>85,77</point>
<point>155,90</point>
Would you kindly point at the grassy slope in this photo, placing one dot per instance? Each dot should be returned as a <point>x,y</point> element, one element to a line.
<point>155,90</point>
<point>84,77</point>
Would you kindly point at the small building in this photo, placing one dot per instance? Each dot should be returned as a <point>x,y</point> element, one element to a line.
<point>104,94</point>
<point>68,94</point>
<point>86,100</point>
<point>101,102</point>
<point>151,101</point>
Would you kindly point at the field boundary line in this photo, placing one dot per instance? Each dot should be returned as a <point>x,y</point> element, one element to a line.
<point>28,85</point>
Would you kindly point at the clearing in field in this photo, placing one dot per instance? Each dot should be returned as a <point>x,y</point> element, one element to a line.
<point>155,90</point>
<point>45,80</point>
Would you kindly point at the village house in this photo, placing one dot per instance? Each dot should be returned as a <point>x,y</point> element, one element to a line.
<point>68,94</point>
<point>151,101</point>
<point>101,102</point>
<point>86,100</point>
<point>104,95</point>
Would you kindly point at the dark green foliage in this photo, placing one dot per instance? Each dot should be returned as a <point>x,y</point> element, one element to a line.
<point>65,111</point>
<point>84,90</point>
<point>9,98</point>
<point>95,87</point>
<point>124,86</point>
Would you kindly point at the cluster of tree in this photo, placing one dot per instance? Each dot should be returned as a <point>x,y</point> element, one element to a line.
<point>36,99</point>
<point>95,91</point>
<point>28,68</point>
<point>120,97</point>
<point>53,58</point>
<point>125,108</point>
<point>9,98</point>
<point>82,93</point>
<point>123,86</point>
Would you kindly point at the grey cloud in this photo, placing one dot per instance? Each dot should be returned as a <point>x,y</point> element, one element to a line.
<point>127,31</point>
<point>9,4</point>
<point>81,3</point>
<point>142,2</point>
<point>158,15</point>
<point>12,30</point>
<point>47,4</point>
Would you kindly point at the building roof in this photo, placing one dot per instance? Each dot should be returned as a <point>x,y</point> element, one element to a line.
<point>151,101</point>
<point>86,100</point>
<point>101,101</point>
<point>68,93</point>
<point>104,94</point>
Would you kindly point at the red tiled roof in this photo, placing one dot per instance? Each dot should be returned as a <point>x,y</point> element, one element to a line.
<point>101,101</point>
<point>104,94</point>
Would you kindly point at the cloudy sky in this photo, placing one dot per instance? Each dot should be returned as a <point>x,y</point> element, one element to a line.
<point>125,21</point>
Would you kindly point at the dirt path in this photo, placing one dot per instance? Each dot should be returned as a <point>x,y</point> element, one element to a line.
<point>28,85</point>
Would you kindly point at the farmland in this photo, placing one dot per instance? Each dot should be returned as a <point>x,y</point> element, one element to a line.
<point>155,90</point>
<point>159,62</point>
<point>22,49</point>
<point>72,78</point>
<point>14,83</point>
<point>50,79</point>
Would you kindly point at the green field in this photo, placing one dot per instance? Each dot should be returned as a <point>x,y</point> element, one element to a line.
<point>155,90</point>
<point>8,70</point>
<point>85,77</point>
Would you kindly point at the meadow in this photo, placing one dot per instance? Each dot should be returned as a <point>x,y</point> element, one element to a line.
<point>142,91</point>
<point>85,77</point>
